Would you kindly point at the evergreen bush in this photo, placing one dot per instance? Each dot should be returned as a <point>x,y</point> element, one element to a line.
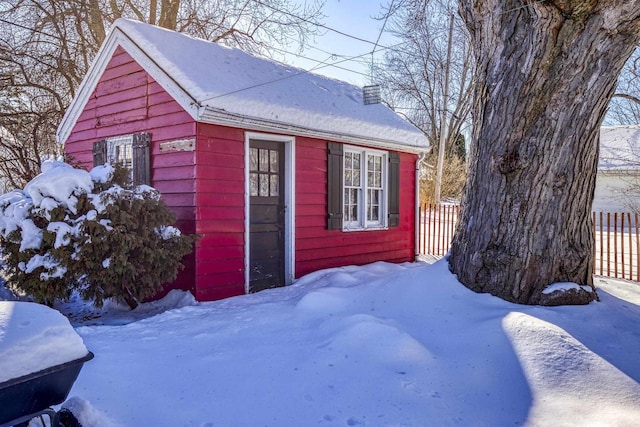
<point>73,230</point>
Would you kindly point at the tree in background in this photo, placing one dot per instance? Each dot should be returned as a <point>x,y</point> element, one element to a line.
<point>46,47</point>
<point>453,175</point>
<point>624,108</point>
<point>545,73</point>
<point>25,140</point>
<point>429,79</point>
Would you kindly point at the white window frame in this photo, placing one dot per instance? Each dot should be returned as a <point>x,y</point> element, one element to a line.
<point>113,145</point>
<point>362,223</point>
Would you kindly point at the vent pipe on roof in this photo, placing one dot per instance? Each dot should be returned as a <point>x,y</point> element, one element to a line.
<point>371,94</point>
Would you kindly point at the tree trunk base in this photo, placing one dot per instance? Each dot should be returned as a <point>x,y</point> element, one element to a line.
<point>129,299</point>
<point>578,296</point>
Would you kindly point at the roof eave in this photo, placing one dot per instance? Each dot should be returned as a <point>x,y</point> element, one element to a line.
<point>226,118</point>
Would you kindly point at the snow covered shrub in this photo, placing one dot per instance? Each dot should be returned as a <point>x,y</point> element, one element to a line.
<point>74,230</point>
<point>34,229</point>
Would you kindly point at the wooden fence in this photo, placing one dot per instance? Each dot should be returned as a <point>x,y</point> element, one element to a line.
<point>616,252</point>
<point>437,225</point>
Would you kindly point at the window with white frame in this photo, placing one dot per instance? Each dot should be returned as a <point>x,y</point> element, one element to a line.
<point>120,152</point>
<point>364,188</point>
<point>132,152</point>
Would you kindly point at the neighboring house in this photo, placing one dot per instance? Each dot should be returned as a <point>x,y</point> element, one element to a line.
<point>280,172</point>
<point>617,181</point>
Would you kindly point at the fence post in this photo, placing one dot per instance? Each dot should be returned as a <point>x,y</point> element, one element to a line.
<point>452,229</point>
<point>601,246</point>
<point>445,229</point>
<point>637,249</point>
<point>593,249</point>
<point>608,243</point>
<point>427,227</point>
<point>630,248</point>
<point>450,208</point>
<point>622,243</point>
<point>615,244</point>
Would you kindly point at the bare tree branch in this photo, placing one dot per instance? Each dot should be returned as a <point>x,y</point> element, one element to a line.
<point>46,48</point>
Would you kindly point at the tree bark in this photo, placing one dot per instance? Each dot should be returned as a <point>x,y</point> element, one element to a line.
<point>546,71</point>
<point>169,13</point>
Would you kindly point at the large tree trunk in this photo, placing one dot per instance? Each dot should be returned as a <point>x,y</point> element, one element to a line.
<point>546,71</point>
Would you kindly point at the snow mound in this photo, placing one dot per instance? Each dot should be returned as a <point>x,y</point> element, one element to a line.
<point>568,379</point>
<point>86,414</point>
<point>324,302</point>
<point>368,339</point>
<point>34,337</point>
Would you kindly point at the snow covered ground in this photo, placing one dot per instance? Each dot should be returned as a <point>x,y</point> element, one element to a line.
<point>378,345</point>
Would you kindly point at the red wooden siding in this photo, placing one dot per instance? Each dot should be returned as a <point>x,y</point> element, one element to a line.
<point>125,101</point>
<point>205,187</point>
<point>221,222</point>
<point>219,212</point>
<point>317,247</point>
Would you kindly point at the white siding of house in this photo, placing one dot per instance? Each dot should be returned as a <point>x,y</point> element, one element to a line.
<point>616,192</point>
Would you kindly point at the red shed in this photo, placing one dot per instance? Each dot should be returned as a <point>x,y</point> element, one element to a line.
<point>280,171</point>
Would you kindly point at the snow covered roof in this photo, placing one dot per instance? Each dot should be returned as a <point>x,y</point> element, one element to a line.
<point>227,86</point>
<point>619,148</point>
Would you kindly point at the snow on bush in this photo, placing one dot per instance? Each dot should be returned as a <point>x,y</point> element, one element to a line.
<point>59,184</point>
<point>70,229</point>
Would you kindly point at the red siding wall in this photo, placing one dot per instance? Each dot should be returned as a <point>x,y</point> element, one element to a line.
<point>317,247</point>
<point>221,217</point>
<point>220,212</point>
<point>125,101</point>
<point>205,187</point>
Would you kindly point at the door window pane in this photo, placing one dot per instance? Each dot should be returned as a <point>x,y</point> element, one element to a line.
<point>264,185</point>
<point>264,160</point>
<point>273,161</point>
<point>274,188</point>
<point>253,184</point>
<point>253,159</point>
<point>264,171</point>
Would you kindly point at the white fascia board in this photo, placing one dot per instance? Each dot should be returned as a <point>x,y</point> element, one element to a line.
<point>118,38</point>
<point>225,118</point>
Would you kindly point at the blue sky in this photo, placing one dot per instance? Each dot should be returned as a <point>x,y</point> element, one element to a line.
<point>353,17</point>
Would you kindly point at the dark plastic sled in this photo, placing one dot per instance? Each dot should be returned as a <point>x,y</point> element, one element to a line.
<point>31,395</point>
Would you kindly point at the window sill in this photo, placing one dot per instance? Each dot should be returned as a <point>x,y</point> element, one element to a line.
<point>372,228</point>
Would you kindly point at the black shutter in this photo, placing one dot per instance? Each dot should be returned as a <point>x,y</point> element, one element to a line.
<point>99,153</point>
<point>141,159</point>
<point>394,189</point>
<point>334,185</point>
